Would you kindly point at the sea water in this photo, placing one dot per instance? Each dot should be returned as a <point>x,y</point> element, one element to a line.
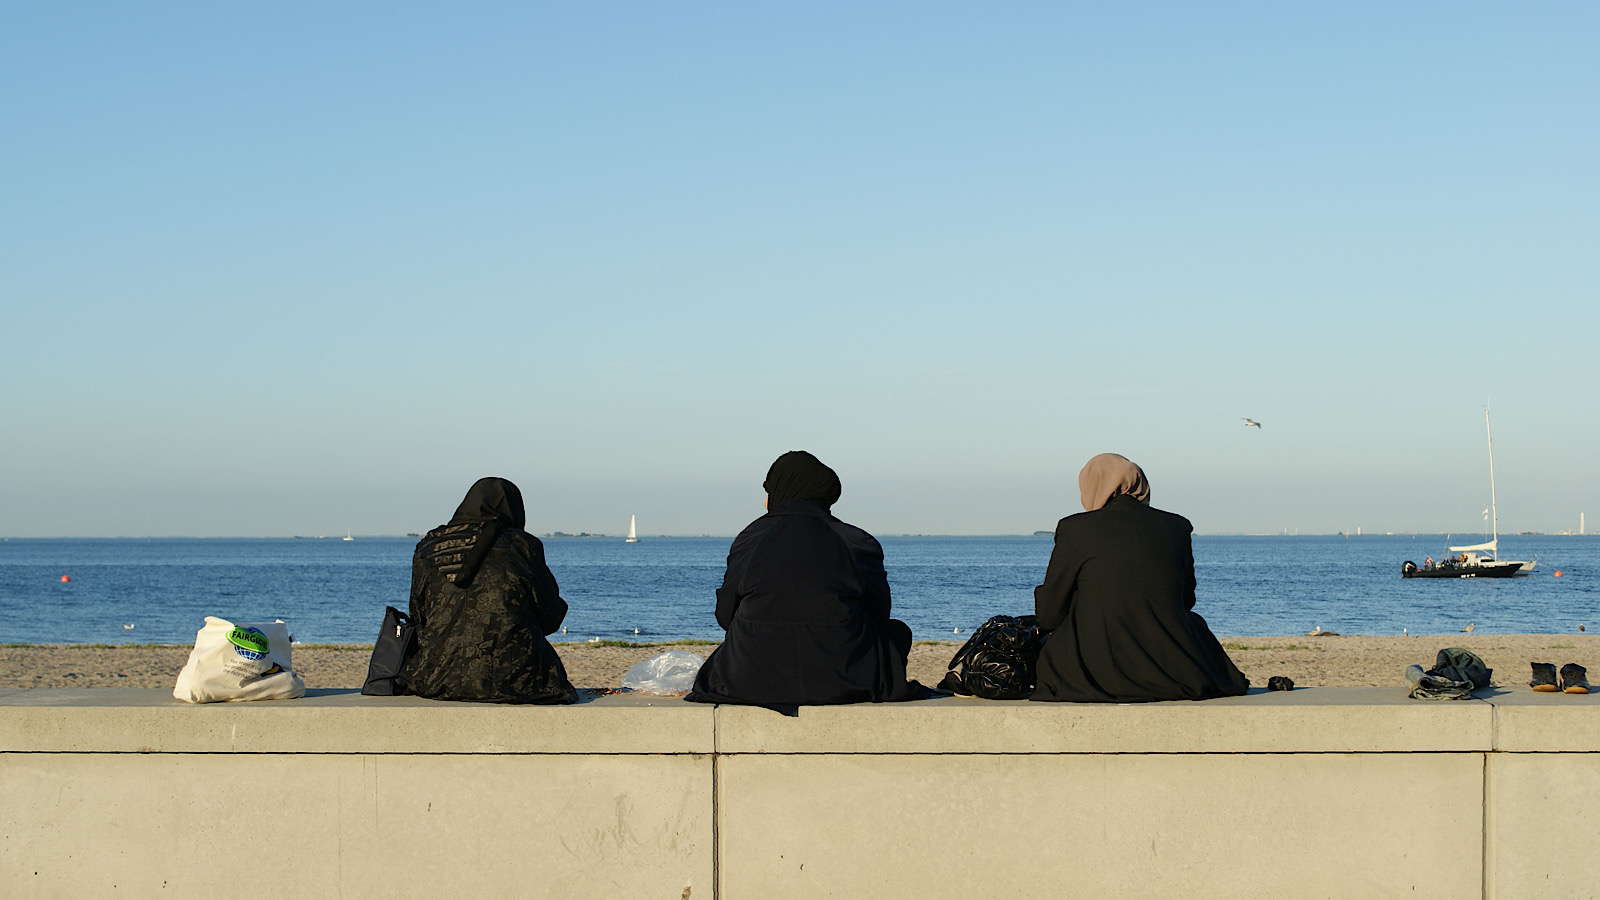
<point>334,591</point>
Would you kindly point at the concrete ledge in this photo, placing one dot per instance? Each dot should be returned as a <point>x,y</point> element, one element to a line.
<point>1543,812</point>
<point>327,825</point>
<point>1219,826</point>
<point>1327,792</point>
<point>1324,720</point>
<point>1528,722</point>
<point>151,721</point>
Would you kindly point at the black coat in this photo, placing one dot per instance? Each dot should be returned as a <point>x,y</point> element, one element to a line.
<point>1117,600</point>
<point>805,602</point>
<point>486,641</point>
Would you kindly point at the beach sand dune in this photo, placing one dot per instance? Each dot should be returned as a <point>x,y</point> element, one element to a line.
<point>1324,661</point>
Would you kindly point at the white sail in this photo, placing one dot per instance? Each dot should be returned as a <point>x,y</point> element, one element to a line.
<point>633,530</point>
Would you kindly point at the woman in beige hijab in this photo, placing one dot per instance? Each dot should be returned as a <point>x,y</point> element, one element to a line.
<point>1118,601</point>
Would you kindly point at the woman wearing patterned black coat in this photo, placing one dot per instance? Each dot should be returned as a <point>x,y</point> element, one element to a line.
<point>482,600</point>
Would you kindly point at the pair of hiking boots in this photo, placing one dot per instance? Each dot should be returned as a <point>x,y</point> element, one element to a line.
<point>1573,680</point>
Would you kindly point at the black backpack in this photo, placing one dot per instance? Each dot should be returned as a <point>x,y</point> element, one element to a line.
<point>999,660</point>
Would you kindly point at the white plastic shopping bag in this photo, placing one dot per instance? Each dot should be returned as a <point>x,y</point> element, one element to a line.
<point>239,662</point>
<point>671,672</point>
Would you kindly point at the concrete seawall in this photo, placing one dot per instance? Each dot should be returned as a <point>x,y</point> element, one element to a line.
<point>1327,792</point>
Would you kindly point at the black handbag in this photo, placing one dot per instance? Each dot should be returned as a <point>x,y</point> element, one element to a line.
<point>999,661</point>
<point>389,651</point>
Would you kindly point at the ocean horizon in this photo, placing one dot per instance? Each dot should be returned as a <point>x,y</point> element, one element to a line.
<point>662,588</point>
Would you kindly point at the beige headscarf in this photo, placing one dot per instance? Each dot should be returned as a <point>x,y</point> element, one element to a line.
<point>1108,475</point>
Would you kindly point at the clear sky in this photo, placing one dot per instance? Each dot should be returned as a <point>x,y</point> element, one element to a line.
<point>292,268</point>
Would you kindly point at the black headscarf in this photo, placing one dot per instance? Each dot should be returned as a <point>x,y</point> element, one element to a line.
<point>492,499</point>
<point>797,475</point>
<point>492,503</point>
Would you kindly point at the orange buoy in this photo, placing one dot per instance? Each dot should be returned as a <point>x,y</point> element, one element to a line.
<point>1558,573</point>
<point>65,579</point>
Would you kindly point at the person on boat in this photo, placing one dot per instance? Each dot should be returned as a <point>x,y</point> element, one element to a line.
<point>805,602</point>
<point>1427,564</point>
<point>482,601</point>
<point>1118,601</point>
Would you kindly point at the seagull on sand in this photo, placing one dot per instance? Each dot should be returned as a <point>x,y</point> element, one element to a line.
<point>1251,423</point>
<point>1469,628</point>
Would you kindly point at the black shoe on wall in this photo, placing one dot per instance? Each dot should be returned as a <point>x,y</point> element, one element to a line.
<point>1573,680</point>
<point>1544,677</point>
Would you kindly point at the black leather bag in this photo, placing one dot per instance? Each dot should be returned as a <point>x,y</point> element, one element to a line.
<point>389,652</point>
<point>999,661</point>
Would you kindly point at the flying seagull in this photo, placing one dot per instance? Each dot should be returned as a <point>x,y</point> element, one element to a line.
<point>1251,422</point>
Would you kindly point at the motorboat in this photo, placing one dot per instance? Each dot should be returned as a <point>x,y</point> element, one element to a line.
<point>1475,560</point>
<point>1467,565</point>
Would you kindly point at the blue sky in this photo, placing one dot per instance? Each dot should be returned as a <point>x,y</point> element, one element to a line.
<point>295,268</point>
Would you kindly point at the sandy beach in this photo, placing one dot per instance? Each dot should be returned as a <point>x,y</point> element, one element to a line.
<point>1322,661</point>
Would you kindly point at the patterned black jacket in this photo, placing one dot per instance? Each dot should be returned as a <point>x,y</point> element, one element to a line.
<point>485,641</point>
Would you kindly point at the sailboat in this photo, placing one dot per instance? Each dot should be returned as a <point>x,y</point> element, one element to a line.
<point>1476,560</point>
<point>347,536</point>
<point>633,531</point>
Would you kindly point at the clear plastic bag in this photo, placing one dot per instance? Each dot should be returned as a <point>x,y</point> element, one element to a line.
<point>671,672</point>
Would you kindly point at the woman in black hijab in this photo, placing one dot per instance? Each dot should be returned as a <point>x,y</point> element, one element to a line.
<point>805,602</point>
<point>1118,597</point>
<point>482,600</point>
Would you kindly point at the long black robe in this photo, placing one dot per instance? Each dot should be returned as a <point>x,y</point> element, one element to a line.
<point>1118,600</point>
<point>483,599</point>
<point>805,602</point>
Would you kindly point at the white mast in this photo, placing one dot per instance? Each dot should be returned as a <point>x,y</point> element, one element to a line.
<point>1494,511</point>
<point>1493,544</point>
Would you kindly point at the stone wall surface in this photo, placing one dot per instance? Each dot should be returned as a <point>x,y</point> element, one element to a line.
<point>1100,825</point>
<point>1542,817</point>
<point>359,825</point>
<point>1328,792</point>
